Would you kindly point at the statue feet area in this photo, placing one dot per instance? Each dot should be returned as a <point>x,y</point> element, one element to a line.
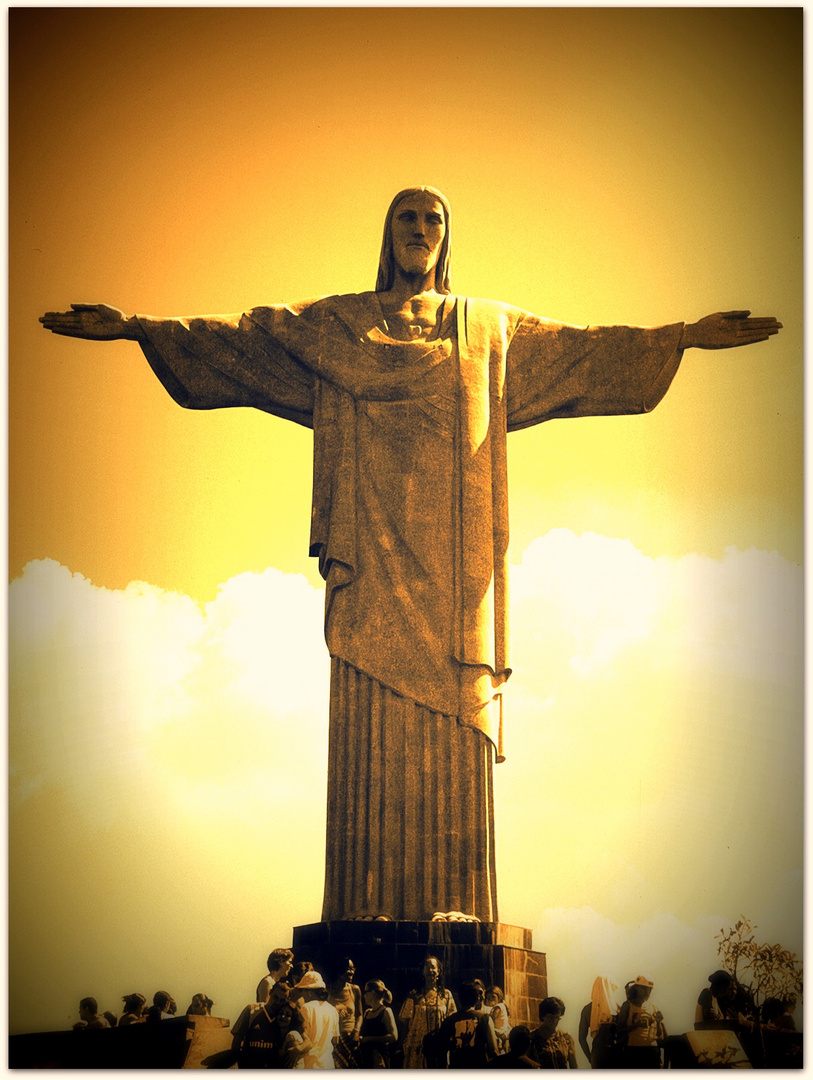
<point>437,916</point>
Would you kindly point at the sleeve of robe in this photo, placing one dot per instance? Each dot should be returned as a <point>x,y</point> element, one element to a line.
<point>558,370</point>
<point>221,361</point>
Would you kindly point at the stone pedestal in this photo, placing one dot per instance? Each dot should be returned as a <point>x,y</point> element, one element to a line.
<point>394,951</point>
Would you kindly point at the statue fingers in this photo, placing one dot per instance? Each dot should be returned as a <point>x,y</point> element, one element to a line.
<point>767,323</point>
<point>67,331</point>
<point>53,319</point>
<point>759,328</point>
<point>752,337</point>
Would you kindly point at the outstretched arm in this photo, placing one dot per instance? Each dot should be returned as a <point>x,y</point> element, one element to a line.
<point>209,362</point>
<point>727,330</point>
<point>97,322</point>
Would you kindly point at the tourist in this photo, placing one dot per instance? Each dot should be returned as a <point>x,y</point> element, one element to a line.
<point>378,1031</point>
<point>163,1007</point>
<point>468,1036</point>
<point>551,1048</point>
<point>201,1005</point>
<point>782,1046</point>
<point>269,1035</point>
<point>517,1056</point>
<point>640,1027</point>
<point>297,971</point>
<point>597,1021</point>
<point>89,1016</point>
<point>496,1004</point>
<point>321,1021</point>
<point>345,996</point>
<point>719,1004</point>
<point>133,1009</point>
<point>776,1014</point>
<point>423,1012</point>
<point>279,963</point>
<point>287,1036</point>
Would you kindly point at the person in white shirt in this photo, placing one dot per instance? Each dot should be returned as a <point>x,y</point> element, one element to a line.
<point>321,1021</point>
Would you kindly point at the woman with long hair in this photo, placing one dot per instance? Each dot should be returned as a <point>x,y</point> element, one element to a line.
<point>133,1009</point>
<point>378,1031</point>
<point>423,1012</point>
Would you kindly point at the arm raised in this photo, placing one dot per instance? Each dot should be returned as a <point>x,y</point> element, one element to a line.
<point>96,322</point>
<point>727,330</point>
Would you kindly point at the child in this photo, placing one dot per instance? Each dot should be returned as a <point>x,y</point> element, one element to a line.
<point>495,1004</point>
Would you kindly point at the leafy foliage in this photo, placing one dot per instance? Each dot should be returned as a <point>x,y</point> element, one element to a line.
<point>763,971</point>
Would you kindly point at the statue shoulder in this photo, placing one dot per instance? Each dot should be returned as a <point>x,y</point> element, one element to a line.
<point>495,309</point>
<point>350,308</point>
<point>313,306</point>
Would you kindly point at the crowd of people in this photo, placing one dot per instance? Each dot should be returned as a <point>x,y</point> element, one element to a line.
<point>631,1034</point>
<point>136,1011</point>
<point>304,1019</point>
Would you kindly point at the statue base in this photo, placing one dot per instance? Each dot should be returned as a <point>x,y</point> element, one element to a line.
<point>496,953</point>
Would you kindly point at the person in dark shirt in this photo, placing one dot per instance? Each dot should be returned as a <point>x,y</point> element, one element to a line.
<point>377,1031</point>
<point>469,1036</point>
<point>519,1043</point>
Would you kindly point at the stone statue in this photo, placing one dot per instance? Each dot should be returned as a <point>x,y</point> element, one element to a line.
<point>411,391</point>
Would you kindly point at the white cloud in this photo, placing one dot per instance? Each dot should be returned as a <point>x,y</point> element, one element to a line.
<point>678,956</point>
<point>118,693</point>
<point>654,732</point>
<point>654,740</point>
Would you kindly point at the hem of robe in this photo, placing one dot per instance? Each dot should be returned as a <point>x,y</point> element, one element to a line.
<point>486,716</point>
<point>410,807</point>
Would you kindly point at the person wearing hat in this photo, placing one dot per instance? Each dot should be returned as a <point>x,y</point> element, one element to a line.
<point>320,1021</point>
<point>718,1004</point>
<point>641,1030</point>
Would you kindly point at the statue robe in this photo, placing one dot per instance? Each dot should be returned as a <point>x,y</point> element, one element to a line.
<point>410,526</point>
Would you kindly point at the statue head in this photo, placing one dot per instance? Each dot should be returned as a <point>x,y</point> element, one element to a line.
<point>386,262</point>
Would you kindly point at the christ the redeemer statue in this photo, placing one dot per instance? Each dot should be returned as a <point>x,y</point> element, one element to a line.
<point>411,391</point>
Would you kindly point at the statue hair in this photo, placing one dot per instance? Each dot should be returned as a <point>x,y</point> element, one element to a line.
<point>386,261</point>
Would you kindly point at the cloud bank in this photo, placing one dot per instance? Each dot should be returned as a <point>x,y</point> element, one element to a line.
<point>168,759</point>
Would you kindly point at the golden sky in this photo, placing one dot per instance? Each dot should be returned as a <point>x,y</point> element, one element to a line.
<point>603,166</point>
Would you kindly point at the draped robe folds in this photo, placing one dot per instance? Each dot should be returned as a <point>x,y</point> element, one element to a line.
<point>410,526</point>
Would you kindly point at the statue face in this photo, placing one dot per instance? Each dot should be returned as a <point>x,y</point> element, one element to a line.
<point>418,229</point>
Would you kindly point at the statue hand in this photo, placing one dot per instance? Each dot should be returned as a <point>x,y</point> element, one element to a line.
<point>727,330</point>
<point>98,322</point>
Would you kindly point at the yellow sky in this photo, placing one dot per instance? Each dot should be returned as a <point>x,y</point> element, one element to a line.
<point>640,166</point>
